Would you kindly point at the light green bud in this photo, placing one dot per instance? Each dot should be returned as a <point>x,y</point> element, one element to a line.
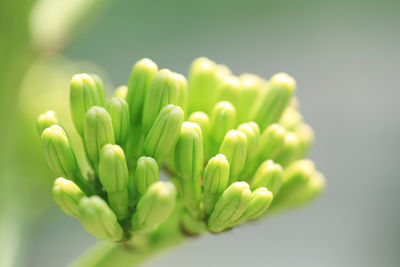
<point>260,201</point>
<point>119,113</point>
<point>45,120</point>
<point>305,134</point>
<point>164,133</point>
<point>183,92</point>
<point>269,175</point>
<point>216,177</point>
<point>250,88</point>
<point>163,90</point>
<point>99,220</point>
<point>271,142</point>
<point>203,121</point>
<point>154,207</point>
<point>84,94</point>
<point>294,103</point>
<point>289,151</point>
<point>252,132</point>
<point>291,119</point>
<point>271,104</point>
<point>223,119</point>
<point>113,173</point>
<point>234,147</point>
<point>121,92</point>
<point>229,90</point>
<point>58,151</point>
<point>67,195</point>
<point>147,173</point>
<point>314,188</point>
<point>141,76</point>
<point>230,206</point>
<point>100,88</point>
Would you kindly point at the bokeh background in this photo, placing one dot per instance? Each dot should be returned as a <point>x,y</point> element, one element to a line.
<point>345,56</point>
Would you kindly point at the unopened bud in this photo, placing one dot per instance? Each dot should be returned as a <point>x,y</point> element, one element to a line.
<point>268,175</point>
<point>67,196</point>
<point>45,120</point>
<point>119,113</point>
<point>121,92</point>
<point>147,173</point>
<point>289,150</point>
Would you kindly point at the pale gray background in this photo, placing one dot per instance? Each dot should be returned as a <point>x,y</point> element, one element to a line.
<point>345,56</point>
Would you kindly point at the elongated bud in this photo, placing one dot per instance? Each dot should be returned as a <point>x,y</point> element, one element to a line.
<point>147,173</point>
<point>67,195</point>
<point>119,113</point>
<point>58,152</point>
<point>121,92</point>
<point>271,142</point>
<point>154,207</point>
<point>289,150</point>
<point>99,220</point>
<point>114,176</point>
<point>260,201</point>
<point>305,135</point>
<point>98,132</point>
<point>223,119</point>
<point>142,75</point>
<point>216,177</point>
<point>314,188</point>
<point>163,90</point>
<point>183,92</point>
<point>203,121</point>
<point>45,120</point>
<point>269,175</point>
<point>252,132</point>
<point>229,90</point>
<point>234,147</point>
<point>291,119</point>
<point>272,103</point>
<point>230,206</point>
<point>84,94</point>
<point>164,133</point>
<point>250,88</point>
<point>100,88</point>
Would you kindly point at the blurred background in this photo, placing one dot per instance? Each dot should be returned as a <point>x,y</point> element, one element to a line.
<point>345,56</point>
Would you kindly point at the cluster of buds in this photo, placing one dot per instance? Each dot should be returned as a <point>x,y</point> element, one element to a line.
<point>234,149</point>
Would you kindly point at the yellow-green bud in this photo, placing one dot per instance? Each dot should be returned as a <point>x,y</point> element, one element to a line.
<point>99,220</point>
<point>268,175</point>
<point>216,177</point>
<point>230,206</point>
<point>260,201</point>
<point>291,119</point>
<point>147,173</point>
<point>119,113</point>
<point>183,92</point>
<point>271,104</point>
<point>229,90</point>
<point>305,135</point>
<point>163,90</point>
<point>67,195</point>
<point>314,188</point>
<point>252,132</point>
<point>250,88</point>
<point>141,76</point>
<point>121,92</point>
<point>203,121</point>
<point>154,207</point>
<point>234,147</point>
<point>164,133</point>
<point>289,151</point>
<point>100,88</point>
<point>271,142</point>
<point>45,120</point>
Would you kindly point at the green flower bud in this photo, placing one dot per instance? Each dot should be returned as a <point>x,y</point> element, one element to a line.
<point>289,151</point>
<point>183,92</point>
<point>113,173</point>
<point>234,147</point>
<point>98,132</point>
<point>260,201</point>
<point>45,120</point>
<point>58,151</point>
<point>216,177</point>
<point>84,94</point>
<point>100,89</point>
<point>291,119</point>
<point>223,119</point>
<point>230,206</point>
<point>305,134</point>
<point>67,196</point>
<point>99,220</point>
<point>315,187</point>
<point>121,92</point>
<point>294,103</point>
<point>229,90</point>
<point>203,121</point>
<point>252,133</point>
<point>163,90</point>
<point>146,174</point>
<point>164,133</point>
<point>119,113</point>
<point>271,142</point>
<point>271,104</point>
<point>154,207</point>
<point>268,175</point>
<point>142,75</point>
<point>191,225</point>
<point>251,87</point>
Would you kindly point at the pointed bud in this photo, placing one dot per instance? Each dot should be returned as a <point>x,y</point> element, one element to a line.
<point>271,142</point>
<point>252,132</point>
<point>113,173</point>
<point>305,135</point>
<point>291,119</point>
<point>260,201</point>
<point>99,220</point>
<point>58,151</point>
<point>289,150</point>
<point>45,120</point>
<point>230,206</point>
<point>154,207</point>
<point>268,175</point>
<point>229,90</point>
<point>98,132</point>
<point>163,90</point>
<point>273,101</point>
<point>164,133</point>
<point>251,86</point>
<point>121,92</point>
<point>67,195</point>
<point>84,94</point>
<point>146,174</point>
<point>141,76</point>
<point>119,113</point>
<point>203,121</point>
<point>234,147</point>
<point>183,92</point>
<point>216,177</point>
